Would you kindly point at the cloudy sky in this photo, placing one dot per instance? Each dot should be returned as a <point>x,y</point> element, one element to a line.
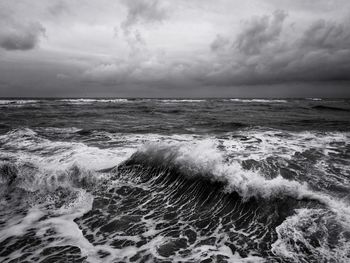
<point>175,48</point>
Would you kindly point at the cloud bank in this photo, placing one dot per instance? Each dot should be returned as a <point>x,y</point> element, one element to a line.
<point>162,46</point>
<point>262,52</point>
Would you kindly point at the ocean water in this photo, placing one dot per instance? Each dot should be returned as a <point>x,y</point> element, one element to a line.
<point>165,180</point>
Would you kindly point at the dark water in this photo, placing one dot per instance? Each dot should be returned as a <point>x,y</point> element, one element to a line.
<point>87,180</point>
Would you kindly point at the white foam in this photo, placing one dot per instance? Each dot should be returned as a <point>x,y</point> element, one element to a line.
<point>27,146</point>
<point>193,154</point>
<point>68,229</point>
<point>315,99</point>
<point>17,227</point>
<point>259,100</point>
<point>89,101</point>
<point>7,102</point>
<point>181,100</point>
<point>260,144</point>
<point>303,228</point>
<point>204,158</point>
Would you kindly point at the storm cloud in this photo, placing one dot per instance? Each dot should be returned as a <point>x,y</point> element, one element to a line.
<point>263,53</point>
<point>143,11</point>
<point>166,48</point>
<point>19,35</point>
<point>259,32</point>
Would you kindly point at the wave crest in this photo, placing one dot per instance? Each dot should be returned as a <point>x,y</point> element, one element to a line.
<point>206,161</point>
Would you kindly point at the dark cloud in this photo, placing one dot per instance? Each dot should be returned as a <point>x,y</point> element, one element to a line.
<point>326,35</point>
<point>139,12</point>
<point>21,37</point>
<point>142,11</point>
<point>259,32</point>
<point>260,55</point>
<point>172,47</point>
<point>18,34</point>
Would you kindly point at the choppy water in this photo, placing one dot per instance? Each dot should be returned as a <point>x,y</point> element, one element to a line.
<point>87,180</point>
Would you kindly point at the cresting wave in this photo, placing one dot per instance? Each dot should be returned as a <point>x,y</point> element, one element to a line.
<point>90,101</point>
<point>17,102</point>
<point>207,162</point>
<point>259,100</point>
<point>193,159</point>
<point>204,165</point>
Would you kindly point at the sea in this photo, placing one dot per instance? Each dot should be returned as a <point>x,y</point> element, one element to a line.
<point>175,180</point>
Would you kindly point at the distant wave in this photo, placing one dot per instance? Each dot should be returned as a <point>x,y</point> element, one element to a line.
<point>331,108</point>
<point>203,160</point>
<point>259,100</point>
<point>180,100</point>
<point>9,102</point>
<point>315,99</point>
<point>88,101</point>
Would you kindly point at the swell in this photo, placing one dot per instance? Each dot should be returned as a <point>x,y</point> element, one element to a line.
<point>180,199</point>
<point>28,184</point>
<point>329,108</point>
<point>172,192</point>
<point>201,187</point>
<point>263,215</point>
<point>205,163</point>
<point>186,212</point>
<point>208,167</point>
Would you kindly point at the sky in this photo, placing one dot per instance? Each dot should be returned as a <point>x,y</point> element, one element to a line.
<point>175,48</point>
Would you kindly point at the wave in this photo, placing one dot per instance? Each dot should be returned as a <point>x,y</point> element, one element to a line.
<point>201,178</point>
<point>90,101</point>
<point>32,178</point>
<point>17,102</point>
<point>27,146</point>
<point>205,162</point>
<point>180,100</point>
<point>312,235</point>
<point>314,99</point>
<point>259,100</point>
<point>200,174</point>
<point>203,157</point>
<point>33,163</point>
<point>229,152</point>
<point>330,108</point>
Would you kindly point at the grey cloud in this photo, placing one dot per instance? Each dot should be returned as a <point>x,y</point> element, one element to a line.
<point>142,11</point>
<point>58,8</point>
<point>19,35</point>
<point>317,54</point>
<point>219,43</point>
<point>260,55</point>
<point>139,12</point>
<point>327,35</point>
<point>259,32</point>
<point>264,56</point>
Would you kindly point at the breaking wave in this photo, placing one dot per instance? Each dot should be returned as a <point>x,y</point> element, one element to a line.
<point>17,102</point>
<point>205,161</point>
<point>90,101</point>
<point>184,199</point>
<point>260,100</point>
